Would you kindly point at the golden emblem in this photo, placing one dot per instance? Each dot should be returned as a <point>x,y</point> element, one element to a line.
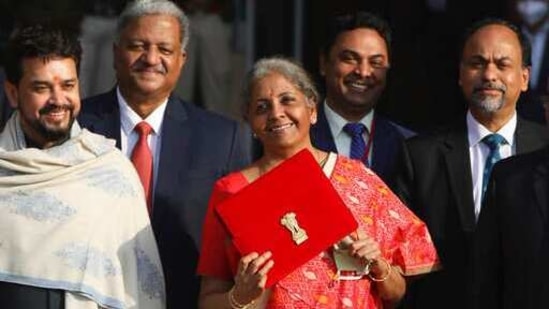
<point>289,221</point>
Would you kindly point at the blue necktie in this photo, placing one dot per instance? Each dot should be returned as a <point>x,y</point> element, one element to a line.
<point>358,146</point>
<point>493,141</point>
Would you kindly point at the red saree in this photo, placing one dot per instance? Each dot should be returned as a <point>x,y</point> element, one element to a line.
<point>403,238</point>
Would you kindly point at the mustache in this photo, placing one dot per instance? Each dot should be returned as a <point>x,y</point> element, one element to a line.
<point>369,81</point>
<point>490,86</point>
<point>141,66</point>
<point>55,107</point>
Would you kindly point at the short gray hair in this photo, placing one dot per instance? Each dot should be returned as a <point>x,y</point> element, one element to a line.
<point>289,69</point>
<point>139,8</point>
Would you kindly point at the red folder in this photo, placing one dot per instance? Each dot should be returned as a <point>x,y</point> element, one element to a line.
<point>292,211</point>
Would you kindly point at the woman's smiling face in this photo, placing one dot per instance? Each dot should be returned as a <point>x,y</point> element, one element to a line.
<point>279,114</point>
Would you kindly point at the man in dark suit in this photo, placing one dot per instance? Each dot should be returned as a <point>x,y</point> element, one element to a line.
<point>354,62</point>
<point>441,176</point>
<point>190,147</point>
<point>512,237</point>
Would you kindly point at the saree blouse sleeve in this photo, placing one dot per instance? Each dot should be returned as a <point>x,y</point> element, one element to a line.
<point>403,238</point>
<point>411,248</point>
<point>218,256</point>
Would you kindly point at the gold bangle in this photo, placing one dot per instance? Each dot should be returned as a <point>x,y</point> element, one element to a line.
<point>389,270</point>
<point>235,304</point>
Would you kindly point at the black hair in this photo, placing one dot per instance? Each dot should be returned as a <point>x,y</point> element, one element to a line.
<point>39,40</point>
<point>352,21</point>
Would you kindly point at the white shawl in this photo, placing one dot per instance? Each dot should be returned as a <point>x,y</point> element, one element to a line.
<point>73,217</point>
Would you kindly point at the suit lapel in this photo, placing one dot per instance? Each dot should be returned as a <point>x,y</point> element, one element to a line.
<point>174,154</point>
<point>526,137</point>
<point>383,147</point>
<point>321,136</point>
<point>459,174</point>
<point>108,124</point>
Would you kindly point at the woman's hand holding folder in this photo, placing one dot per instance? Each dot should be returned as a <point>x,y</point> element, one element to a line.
<point>250,279</point>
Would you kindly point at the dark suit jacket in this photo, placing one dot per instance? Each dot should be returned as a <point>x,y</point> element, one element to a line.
<point>434,180</point>
<point>512,240</point>
<point>388,139</point>
<point>17,296</point>
<point>198,147</point>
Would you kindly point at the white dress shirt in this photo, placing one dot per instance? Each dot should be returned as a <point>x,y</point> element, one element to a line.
<point>478,151</point>
<point>341,138</point>
<point>128,137</point>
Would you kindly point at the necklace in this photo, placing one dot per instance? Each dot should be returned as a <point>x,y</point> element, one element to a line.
<point>323,160</point>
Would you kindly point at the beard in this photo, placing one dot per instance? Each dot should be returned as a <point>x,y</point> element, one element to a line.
<point>51,133</point>
<point>488,104</point>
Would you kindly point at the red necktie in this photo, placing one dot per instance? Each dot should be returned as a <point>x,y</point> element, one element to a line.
<point>143,160</point>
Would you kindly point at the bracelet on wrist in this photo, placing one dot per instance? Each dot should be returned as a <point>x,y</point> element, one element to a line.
<point>235,304</point>
<point>386,276</point>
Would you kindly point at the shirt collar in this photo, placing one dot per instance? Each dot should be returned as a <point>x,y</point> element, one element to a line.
<point>337,122</point>
<point>476,131</point>
<point>129,118</point>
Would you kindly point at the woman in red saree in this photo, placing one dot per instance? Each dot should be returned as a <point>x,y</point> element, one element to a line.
<point>391,240</point>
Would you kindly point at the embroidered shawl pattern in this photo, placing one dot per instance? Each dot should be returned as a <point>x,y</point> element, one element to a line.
<point>73,217</point>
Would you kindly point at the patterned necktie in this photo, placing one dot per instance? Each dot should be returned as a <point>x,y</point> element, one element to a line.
<point>143,161</point>
<point>358,146</point>
<point>493,141</point>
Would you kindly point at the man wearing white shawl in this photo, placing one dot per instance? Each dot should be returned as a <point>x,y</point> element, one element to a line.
<point>74,228</point>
